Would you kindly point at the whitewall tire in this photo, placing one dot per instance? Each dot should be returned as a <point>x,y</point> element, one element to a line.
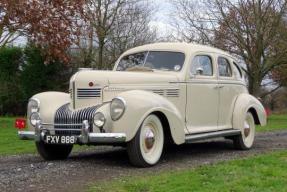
<point>146,147</point>
<point>245,140</point>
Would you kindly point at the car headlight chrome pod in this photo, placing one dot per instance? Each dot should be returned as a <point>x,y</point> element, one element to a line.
<point>34,118</point>
<point>34,105</point>
<point>117,108</point>
<point>99,119</point>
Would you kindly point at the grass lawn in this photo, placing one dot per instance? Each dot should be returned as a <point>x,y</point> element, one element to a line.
<point>10,144</point>
<point>274,122</point>
<point>264,173</point>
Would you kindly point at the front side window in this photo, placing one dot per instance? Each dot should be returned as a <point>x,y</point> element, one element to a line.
<point>202,65</point>
<point>154,60</point>
<point>224,67</point>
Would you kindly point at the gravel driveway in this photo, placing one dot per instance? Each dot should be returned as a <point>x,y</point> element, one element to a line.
<point>31,173</point>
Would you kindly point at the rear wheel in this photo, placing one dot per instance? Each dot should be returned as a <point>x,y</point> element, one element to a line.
<point>245,140</point>
<point>53,152</point>
<point>146,147</point>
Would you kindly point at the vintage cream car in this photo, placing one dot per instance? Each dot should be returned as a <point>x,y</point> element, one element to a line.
<point>156,93</point>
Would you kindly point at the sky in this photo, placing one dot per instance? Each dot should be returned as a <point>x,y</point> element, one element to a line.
<point>161,18</point>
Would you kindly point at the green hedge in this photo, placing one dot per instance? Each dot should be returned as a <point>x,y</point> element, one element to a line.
<point>11,59</point>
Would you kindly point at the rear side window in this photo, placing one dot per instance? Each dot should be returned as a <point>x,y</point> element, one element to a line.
<point>202,65</point>
<point>224,67</point>
<point>237,71</point>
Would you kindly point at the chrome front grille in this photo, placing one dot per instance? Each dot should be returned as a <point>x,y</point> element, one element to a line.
<point>65,116</point>
<point>89,93</point>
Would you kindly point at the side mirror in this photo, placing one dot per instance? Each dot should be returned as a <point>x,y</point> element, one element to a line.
<point>199,71</point>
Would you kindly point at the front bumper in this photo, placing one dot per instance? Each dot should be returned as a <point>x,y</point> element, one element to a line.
<point>86,137</point>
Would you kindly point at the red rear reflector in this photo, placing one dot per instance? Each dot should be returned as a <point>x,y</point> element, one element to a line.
<point>20,123</point>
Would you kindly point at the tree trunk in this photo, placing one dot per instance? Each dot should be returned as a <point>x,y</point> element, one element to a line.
<point>101,52</point>
<point>254,83</point>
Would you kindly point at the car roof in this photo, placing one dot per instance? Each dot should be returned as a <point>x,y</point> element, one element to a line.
<point>180,47</point>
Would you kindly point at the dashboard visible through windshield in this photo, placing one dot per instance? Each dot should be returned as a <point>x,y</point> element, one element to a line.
<point>152,60</point>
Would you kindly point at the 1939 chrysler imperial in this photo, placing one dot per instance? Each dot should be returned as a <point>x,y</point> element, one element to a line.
<point>156,93</point>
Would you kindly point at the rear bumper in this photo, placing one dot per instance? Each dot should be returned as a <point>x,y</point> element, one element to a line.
<point>85,137</point>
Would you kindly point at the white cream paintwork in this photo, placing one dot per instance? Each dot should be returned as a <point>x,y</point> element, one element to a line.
<point>246,102</point>
<point>49,103</point>
<point>119,80</point>
<point>202,98</point>
<point>136,87</point>
<point>142,103</point>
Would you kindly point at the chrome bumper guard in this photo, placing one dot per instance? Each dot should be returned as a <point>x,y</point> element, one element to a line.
<point>85,137</point>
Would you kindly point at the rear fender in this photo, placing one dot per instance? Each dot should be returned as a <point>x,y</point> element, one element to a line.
<point>245,103</point>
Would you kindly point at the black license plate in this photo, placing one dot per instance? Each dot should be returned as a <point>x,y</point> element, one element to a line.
<point>60,139</point>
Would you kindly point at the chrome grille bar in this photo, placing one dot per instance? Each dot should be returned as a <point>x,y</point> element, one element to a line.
<point>67,122</point>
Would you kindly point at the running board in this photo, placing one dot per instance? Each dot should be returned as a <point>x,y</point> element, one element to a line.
<point>200,136</point>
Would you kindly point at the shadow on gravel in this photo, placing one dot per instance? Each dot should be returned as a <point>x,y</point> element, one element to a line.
<point>117,156</point>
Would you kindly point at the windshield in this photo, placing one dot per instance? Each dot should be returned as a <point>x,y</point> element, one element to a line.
<point>153,60</point>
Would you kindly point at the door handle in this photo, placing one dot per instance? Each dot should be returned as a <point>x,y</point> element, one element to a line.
<point>218,86</point>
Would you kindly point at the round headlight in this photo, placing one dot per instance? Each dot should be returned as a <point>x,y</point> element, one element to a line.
<point>34,118</point>
<point>34,105</point>
<point>99,119</point>
<point>117,108</point>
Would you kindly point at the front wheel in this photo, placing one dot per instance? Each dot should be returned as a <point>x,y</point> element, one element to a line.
<point>53,152</point>
<point>245,140</point>
<point>146,147</point>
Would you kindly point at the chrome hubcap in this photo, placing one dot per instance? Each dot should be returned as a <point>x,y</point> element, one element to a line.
<point>246,129</point>
<point>149,139</point>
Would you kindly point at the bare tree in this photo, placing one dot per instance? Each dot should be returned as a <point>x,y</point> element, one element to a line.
<point>131,29</point>
<point>252,30</point>
<point>110,30</point>
<point>101,16</point>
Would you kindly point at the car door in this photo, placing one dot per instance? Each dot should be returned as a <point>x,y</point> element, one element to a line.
<point>202,94</point>
<point>230,85</point>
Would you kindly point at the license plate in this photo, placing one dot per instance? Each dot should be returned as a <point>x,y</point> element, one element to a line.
<point>60,139</point>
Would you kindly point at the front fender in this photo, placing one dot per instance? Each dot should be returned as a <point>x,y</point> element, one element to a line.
<point>49,103</point>
<point>139,104</point>
<point>246,102</point>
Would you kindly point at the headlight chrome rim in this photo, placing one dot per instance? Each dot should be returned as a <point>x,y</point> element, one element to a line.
<point>36,118</point>
<point>103,119</point>
<point>37,108</point>
<point>123,110</point>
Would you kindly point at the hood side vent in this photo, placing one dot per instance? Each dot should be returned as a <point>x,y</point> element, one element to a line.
<point>158,91</point>
<point>172,92</point>
<point>89,93</point>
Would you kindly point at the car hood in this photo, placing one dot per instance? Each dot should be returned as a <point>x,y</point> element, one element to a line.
<point>104,78</point>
